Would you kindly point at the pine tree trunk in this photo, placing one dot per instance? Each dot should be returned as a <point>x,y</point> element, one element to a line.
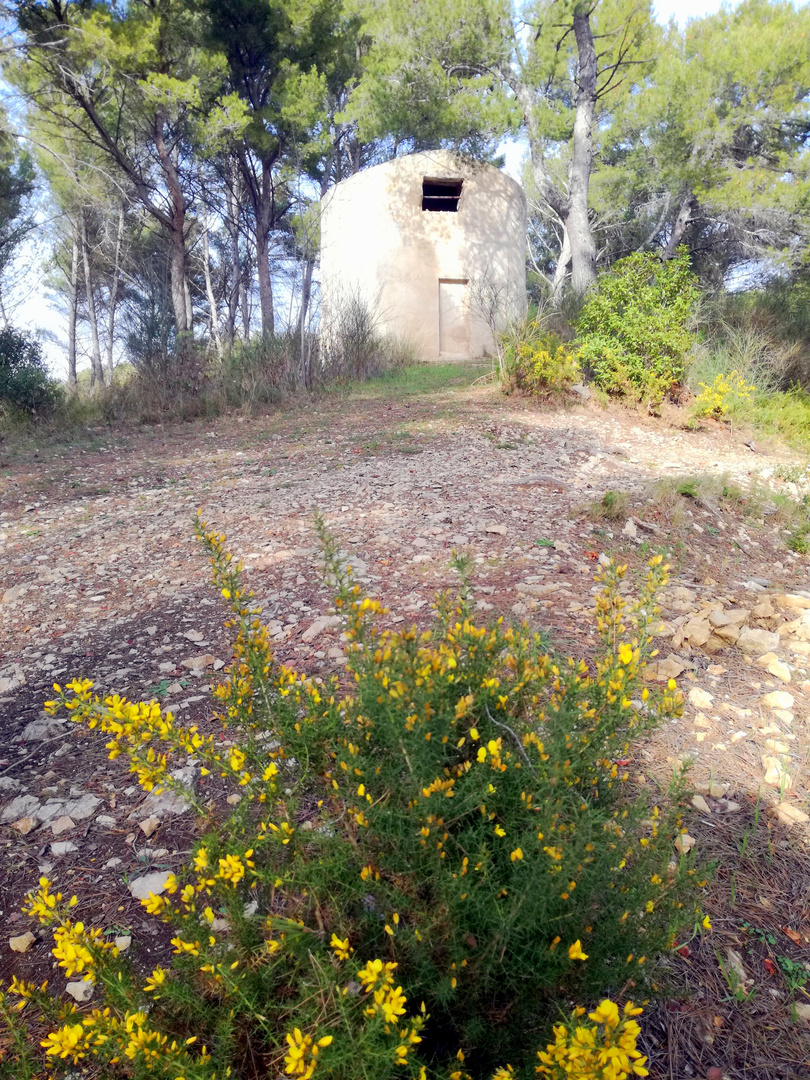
<point>265,283</point>
<point>688,206</point>
<point>209,290</point>
<point>232,225</point>
<point>577,222</point>
<point>96,371</point>
<point>561,270</point>
<point>114,294</point>
<point>181,299</point>
<point>73,301</point>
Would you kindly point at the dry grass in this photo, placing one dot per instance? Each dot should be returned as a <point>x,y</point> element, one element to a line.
<point>613,506</point>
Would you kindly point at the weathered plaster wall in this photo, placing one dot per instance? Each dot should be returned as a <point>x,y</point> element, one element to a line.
<point>378,243</point>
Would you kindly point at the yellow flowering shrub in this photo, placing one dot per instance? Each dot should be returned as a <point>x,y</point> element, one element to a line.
<point>538,364</point>
<point>723,395</point>
<point>605,1049</point>
<point>429,851</point>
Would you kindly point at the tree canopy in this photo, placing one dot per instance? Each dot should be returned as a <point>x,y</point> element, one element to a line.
<point>181,143</point>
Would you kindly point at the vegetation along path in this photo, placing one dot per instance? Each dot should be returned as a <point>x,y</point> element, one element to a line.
<point>100,578</point>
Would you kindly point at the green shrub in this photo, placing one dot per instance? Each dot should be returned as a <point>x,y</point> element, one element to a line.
<point>25,385</point>
<point>633,331</point>
<point>430,857</point>
<point>536,362</point>
<point>726,393</point>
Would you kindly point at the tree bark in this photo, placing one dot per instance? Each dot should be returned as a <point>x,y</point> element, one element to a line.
<point>232,226</point>
<point>96,370</point>
<point>73,300</point>
<point>306,293</point>
<point>261,191</point>
<point>114,293</point>
<point>688,206</point>
<point>572,206</point>
<point>176,225</point>
<point>209,290</point>
<point>577,222</point>
<point>561,269</point>
<point>265,283</point>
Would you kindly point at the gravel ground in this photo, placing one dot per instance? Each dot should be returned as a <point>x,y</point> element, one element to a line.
<point>100,577</point>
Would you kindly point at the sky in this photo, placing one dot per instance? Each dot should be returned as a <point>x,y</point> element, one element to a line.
<point>683,10</point>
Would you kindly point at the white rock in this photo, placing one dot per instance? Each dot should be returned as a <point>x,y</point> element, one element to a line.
<point>12,678</point>
<point>774,666</point>
<point>110,864</point>
<point>775,773</point>
<point>685,843</point>
<point>82,808</point>
<point>21,806</point>
<point>198,663</point>
<point>22,943</point>
<point>14,593</point>
<point>323,622</point>
<point>46,728</point>
<point>49,810</point>
<point>756,642</point>
<point>791,815</point>
<point>700,698</point>
<point>778,699</point>
<point>106,821</point>
<point>170,802</point>
<point>80,991</point>
<point>141,887</point>
<point>8,784</point>
<point>700,804</point>
<point>63,847</point>
<point>630,529</point>
<point>123,942</point>
<point>532,589</point>
<point>802,1010</point>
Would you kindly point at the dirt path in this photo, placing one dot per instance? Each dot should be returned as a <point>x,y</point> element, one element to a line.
<point>100,578</point>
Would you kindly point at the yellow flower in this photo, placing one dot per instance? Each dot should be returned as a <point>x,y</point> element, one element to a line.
<point>706,924</point>
<point>499,831</point>
<point>516,855</point>
<point>391,1002</point>
<point>155,980</point>
<point>231,869</point>
<point>69,1041</point>
<point>376,971</point>
<point>625,654</point>
<point>154,904</point>
<point>302,1053</point>
<point>575,951</point>
<point>340,948</point>
<point>607,1013</point>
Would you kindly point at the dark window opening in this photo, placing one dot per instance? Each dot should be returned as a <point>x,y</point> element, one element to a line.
<point>441,195</point>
